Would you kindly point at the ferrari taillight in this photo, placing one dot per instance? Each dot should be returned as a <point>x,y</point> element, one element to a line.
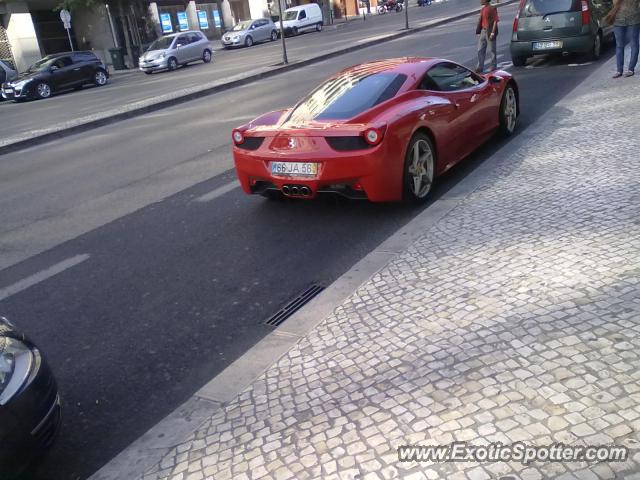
<point>586,13</point>
<point>515,24</point>
<point>373,136</point>
<point>238,137</point>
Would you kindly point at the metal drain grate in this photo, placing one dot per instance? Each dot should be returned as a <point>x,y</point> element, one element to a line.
<point>294,305</point>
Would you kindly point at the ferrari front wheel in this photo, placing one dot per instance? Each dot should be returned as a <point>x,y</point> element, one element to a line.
<point>508,111</point>
<point>419,168</point>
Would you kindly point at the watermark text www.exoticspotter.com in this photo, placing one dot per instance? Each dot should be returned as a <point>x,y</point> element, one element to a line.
<point>515,452</point>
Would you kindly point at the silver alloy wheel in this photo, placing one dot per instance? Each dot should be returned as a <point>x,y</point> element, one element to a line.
<point>100,78</point>
<point>274,36</point>
<point>421,168</point>
<point>206,56</point>
<point>249,41</point>
<point>173,64</point>
<point>510,110</point>
<point>44,90</point>
<point>318,27</point>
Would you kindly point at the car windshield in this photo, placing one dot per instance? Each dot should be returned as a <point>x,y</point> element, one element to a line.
<point>241,26</point>
<point>40,65</point>
<point>348,95</point>
<point>161,44</point>
<point>291,15</point>
<point>540,8</point>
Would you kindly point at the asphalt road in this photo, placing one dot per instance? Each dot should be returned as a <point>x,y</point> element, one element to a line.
<point>171,273</point>
<point>136,86</point>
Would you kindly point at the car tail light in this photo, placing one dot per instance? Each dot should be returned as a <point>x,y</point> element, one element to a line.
<point>238,137</point>
<point>515,20</point>
<point>373,136</point>
<point>586,13</point>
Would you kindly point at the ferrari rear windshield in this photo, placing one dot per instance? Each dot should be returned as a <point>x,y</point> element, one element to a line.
<point>347,95</point>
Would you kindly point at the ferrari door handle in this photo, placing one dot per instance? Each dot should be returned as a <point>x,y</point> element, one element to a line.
<point>76,69</point>
<point>473,98</point>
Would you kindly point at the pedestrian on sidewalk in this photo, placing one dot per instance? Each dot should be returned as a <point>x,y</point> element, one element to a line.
<point>625,17</point>
<point>487,31</point>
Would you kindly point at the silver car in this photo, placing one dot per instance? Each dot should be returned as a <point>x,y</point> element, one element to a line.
<point>171,51</point>
<point>248,32</point>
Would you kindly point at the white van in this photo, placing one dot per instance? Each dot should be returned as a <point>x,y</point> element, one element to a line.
<point>301,18</point>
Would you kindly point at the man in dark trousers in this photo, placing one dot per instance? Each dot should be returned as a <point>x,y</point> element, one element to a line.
<point>487,31</point>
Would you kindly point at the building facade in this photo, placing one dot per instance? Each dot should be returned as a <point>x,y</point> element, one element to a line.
<point>31,29</point>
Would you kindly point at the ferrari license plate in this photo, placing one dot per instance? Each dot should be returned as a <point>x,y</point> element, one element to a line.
<point>294,169</point>
<point>547,45</point>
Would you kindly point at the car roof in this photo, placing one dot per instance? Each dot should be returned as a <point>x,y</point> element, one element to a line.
<point>405,65</point>
<point>65,54</point>
<point>300,7</point>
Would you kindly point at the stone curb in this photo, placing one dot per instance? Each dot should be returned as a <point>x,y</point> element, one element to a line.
<point>142,107</point>
<point>175,428</point>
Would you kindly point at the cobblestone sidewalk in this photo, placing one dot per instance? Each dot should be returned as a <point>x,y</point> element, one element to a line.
<point>515,318</point>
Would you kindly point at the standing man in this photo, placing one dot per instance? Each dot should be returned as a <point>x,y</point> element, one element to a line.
<point>487,31</point>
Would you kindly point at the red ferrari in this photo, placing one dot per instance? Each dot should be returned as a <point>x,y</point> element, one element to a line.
<point>381,131</point>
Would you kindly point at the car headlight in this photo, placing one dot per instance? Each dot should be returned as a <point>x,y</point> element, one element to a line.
<point>235,37</point>
<point>16,360</point>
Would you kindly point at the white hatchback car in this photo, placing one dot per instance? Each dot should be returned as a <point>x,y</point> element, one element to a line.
<point>171,51</point>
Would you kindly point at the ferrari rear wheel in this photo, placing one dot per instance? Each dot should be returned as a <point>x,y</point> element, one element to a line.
<point>419,168</point>
<point>508,111</point>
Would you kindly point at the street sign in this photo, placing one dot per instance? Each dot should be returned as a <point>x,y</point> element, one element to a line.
<point>65,16</point>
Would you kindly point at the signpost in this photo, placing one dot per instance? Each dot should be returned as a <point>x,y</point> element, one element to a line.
<point>406,15</point>
<point>284,45</point>
<point>65,16</point>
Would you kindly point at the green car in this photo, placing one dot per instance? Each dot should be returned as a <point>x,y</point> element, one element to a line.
<point>559,26</point>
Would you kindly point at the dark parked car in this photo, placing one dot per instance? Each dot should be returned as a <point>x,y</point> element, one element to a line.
<point>29,402</point>
<point>559,26</point>
<point>55,73</point>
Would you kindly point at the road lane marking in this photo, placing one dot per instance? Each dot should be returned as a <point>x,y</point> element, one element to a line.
<point>41,276</point>
<point>218,192</point>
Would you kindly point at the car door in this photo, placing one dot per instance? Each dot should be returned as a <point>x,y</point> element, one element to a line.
<point>303,20</point>
<point>182,48</point>
<point>470,95</point>
<point>64,73</point>
<point>195,46</point>
<point>263,28</point>
<point>84,65</point>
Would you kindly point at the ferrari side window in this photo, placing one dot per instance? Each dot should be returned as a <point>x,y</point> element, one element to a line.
<point>450,77</point>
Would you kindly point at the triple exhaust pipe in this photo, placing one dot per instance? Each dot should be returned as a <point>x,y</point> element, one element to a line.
<point>296,190</point>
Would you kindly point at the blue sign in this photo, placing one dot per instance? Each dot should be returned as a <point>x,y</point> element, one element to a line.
<point>203,20</point>
<point>216,18</point>
<point>182,21</point>
<point>165,21</point>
